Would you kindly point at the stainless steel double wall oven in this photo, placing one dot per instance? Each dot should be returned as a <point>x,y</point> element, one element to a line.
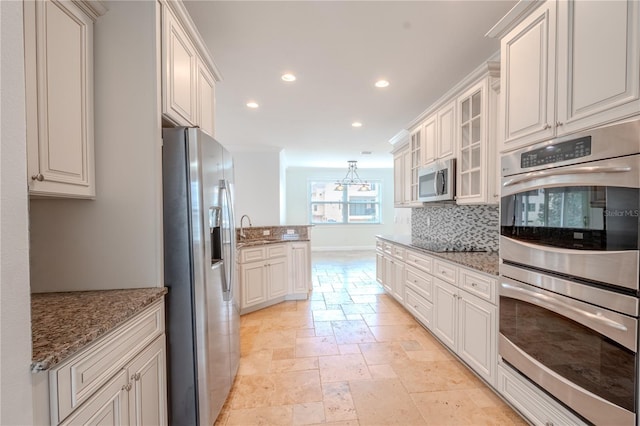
<point>569,274</point>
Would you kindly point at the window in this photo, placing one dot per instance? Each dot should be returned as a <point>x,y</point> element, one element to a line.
<point>352,205</point>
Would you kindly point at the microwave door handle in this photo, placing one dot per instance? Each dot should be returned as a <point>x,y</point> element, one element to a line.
<point>440,183</point>
<point>561,172</point>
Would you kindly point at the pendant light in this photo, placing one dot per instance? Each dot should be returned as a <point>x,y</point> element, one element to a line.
<point>352,178</point>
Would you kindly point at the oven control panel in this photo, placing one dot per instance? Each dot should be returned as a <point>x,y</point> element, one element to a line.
<point>563,151</point>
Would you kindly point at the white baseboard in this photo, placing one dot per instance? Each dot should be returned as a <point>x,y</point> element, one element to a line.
<point>344,248</point>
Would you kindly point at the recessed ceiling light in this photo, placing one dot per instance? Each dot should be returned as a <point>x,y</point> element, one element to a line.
<point>288,77</point>
<point>252,104</point>
<point>356,124</point>
<point>381,83</point>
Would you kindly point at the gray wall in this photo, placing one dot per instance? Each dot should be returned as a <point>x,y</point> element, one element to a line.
<point>16,406</point>
<point>114,241</point>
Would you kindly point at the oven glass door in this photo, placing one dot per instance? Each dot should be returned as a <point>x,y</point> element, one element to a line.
<point>577,353</point>
<point>603,218</point>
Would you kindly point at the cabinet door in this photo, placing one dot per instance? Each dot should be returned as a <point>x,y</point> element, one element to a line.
<point>398,179</point>
<point>598,71</point>
<point>388,275</point>
<point>415,146</point>
<point>277,281</point>
<point>445,312</point>
<point>528,78</point>
<point>254,283</point>
<point>407,183</point>
<point>398,281</point>
<point>430,138</point>
<point>147,397</point>
<point>108,406</point>
<point>379,267</point>
<point>59,99</point>
<point>179,77</point>
<point>300,267</point>
<point>205,100</point>
<point>477,335</point>
<point>445,141</point>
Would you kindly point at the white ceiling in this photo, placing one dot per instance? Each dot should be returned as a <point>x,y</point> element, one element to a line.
<point>337,49</point>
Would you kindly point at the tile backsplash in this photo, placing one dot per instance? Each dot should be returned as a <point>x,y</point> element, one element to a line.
<point>473,225</point>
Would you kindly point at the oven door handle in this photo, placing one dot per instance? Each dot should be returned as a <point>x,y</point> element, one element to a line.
<point>594,320</point>
<point>563,171</point>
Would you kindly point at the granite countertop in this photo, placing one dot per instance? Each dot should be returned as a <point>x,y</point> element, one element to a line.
<point>64,323</point>
<point>484,261</point>
<point>252,243</point>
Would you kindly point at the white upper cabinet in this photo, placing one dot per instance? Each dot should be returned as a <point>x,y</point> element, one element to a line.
<point>430,138</point>
<point>595,79</point>
<point>188,73</point>
<point>477,121</point>
<point>59,98</point>
<point>445,141</point>
<point>205,99</point>
<point>179,77</point>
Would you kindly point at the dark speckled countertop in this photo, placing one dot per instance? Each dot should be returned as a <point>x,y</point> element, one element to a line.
<point>64,323</point>
<point>486,261</point>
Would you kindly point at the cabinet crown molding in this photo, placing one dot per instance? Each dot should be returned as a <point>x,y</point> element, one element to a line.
<point>93,8</point>
<point>513,17</point>
<point>490,67</point>
<point>179,9</point>
<point>399,139</point>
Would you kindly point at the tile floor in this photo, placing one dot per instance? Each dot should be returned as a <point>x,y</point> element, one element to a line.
<point>351,355</point>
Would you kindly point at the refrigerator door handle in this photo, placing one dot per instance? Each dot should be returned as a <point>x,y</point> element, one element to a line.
<point>226,201</point>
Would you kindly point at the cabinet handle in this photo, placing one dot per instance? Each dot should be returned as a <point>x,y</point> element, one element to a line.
<point>135,377</point>
<point>126,387</point>
<point>39,177</point>
<point>546,126</point>
<point>549,423</point>
<point>559,123</point>
<point>474,285</point>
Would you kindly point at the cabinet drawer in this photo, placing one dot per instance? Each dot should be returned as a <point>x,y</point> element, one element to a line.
<point>445,271</point>
<point>418,260</point>
<point>252,254</point>
<point>535,405</point>
<point>387,248</point>
<point>76,379</point>
<point>398,252</point>
<point>422,309</point>
<point>276,250</point>
<point>420,282</point>
<point>481,286</point>
<point>380,245</point>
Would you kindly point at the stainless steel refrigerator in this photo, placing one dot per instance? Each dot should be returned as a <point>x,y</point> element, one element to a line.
<point>202,310</point>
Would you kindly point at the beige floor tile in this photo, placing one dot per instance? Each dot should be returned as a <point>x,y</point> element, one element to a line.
<point>329,315</point>
<point>382,371</point>
<point>296,364</point>
<point>352,332</point>
<point>420,376</point>
<point>292,387</point>
<point>351,356</point>
<point>383,353</point>
<point>384,402</point>
<point>263,416</point>
<point>340,368</point>
<point>316,346</point>
<point>308,413</point>
<point>338,403</point>
<point>257,362</point>
<point>349,349</point>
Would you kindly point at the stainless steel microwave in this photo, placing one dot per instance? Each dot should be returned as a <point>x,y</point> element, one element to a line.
<point>437,181</point>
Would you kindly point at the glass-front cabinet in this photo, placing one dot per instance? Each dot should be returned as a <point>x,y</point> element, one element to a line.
<point>477,145</point>
<point>416,161</point>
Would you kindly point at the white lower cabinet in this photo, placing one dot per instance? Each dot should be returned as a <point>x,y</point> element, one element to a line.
<point>456,304</point>
<point>467,324</point>
<point>272,273</point>
<point>539,408</point>
<point>119,380</point>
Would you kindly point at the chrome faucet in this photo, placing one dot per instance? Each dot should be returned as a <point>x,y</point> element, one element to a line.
<point>242,234</point>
